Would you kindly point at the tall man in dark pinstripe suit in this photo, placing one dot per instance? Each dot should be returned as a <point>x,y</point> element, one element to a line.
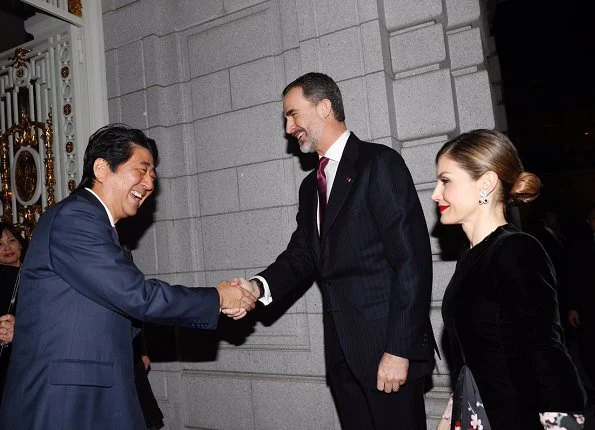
<point>367,243</point>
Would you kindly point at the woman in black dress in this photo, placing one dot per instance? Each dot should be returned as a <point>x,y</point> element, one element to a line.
<point>12,252</point>
<point>501,301</point>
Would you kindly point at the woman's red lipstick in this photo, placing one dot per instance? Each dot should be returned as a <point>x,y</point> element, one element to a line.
<point>442,208</point>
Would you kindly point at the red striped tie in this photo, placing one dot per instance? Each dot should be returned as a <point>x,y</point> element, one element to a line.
<point>321,180</point>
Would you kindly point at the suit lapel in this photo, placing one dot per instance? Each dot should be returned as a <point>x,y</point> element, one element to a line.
<point>344,179</point>
<point>310,210</point>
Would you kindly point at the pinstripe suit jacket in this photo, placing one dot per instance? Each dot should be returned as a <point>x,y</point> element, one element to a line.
<point>373,260</point>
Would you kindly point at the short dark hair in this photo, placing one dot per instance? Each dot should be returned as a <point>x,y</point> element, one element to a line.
<point>318,86</point>
<point>17,234</point>
<point>114,143</point>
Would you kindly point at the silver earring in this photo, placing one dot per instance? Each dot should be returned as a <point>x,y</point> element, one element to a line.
<point>483,197</point>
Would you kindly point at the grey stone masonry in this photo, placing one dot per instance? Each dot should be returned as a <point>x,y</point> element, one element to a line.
<point>204,79</point>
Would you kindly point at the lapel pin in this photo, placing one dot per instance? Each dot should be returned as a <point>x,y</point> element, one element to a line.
<point>348,179</point>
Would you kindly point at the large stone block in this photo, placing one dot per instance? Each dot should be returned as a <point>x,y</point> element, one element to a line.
<point>369,10</point>
<point>111,74</point>
<point>131,73</point>
<point>134,109</point>
<point>162,200</point>
<point>169,105</point>
<point>184,197</point>
<point>289,24</point>
<point>266,184</point>
<point>406,13</point>
<point>241,137</point>
<point>419,47</point>
<point>211,94</point>
<point>334,15</point>
<point>176,146</point>
<point>341,54</point>
<point>107,5</point>
<point>128,23</point>
<point>233,42</point>
<point>424,105</point>
<point>465,48</point>
<point>460,12</point>
<point>257,236</point>
<point>225,401</point>
<point>113,109</point>
<point>163,233</point>
<point>184,13</point>
<point>308,405</point>
<point>185,245</point>
<point>375,46</point>
<point>380,107</point>
<point>357,116</point>
<point>420,160</point>
<point>218,191</point>
<point>474,101</point>
<point>254,83</point>
<point>145,254</point>
<point>162,60</point>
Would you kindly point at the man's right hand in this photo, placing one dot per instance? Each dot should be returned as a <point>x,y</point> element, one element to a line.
<point>249,286</point>
<point>573,318</point>
<point>234,297</point>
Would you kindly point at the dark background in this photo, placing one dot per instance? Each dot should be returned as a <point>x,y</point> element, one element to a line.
<point>546,50</point>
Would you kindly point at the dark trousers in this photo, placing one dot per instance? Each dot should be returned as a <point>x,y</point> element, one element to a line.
<point>361,408</point>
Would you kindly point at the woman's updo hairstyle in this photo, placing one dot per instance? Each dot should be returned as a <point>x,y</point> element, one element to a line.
<point>481,151</point>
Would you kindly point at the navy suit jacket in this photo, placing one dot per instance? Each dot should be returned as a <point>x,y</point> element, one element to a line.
<point>72,362</point>
<point>373,261</point>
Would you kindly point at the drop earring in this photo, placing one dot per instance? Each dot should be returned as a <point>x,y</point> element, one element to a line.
<point>483,197</point>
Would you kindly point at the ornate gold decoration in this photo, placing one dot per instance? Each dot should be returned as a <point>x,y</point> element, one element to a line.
<point>67,109</point>
<point>50,179</point>
<point>64,72</point>
<point>75,7</point>
<point>19,57</point>
<point>69,147</point>
<point>5,194</point>
<point>28,214</point>
<point>71,185</point>
<point>24,134</point>
<point>25,175</point>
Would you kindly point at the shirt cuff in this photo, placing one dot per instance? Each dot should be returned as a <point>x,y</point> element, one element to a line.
<point>267,298</point>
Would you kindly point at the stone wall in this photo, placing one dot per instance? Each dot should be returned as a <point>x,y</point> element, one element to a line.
<point>204,78</point>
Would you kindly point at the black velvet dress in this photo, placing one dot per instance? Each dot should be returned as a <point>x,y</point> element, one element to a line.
<point>8,276</point>
<point>502,301</point>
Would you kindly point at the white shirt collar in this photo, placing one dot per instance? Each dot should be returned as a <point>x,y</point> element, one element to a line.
<point>335,152</point>
<point>111,219</point>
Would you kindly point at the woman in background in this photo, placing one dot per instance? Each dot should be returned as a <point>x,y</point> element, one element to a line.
<point>501,301</point>
<point>12,252</point>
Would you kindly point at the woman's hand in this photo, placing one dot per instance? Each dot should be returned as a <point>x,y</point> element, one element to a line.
<point>444,423</point>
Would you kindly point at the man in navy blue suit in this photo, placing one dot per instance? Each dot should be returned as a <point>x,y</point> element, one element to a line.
<point>362,233</point>
<point>72,363</point>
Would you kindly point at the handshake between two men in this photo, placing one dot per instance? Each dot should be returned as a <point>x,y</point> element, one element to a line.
<point>237,297</point>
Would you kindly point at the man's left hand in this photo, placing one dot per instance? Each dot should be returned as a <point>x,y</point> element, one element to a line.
<point>392,373</point>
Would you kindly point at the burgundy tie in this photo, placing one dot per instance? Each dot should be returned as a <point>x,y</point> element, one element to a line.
<point>321,179</point>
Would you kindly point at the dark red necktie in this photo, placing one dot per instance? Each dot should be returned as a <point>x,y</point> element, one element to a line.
<point>321,180</point>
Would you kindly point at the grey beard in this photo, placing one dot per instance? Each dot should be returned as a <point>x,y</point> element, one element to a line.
<point>308,148</point>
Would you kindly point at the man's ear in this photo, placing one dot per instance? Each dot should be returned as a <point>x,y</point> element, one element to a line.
<point>100,169</point>
<point>324,108</point>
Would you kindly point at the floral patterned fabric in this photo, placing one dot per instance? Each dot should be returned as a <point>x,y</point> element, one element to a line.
<point>561,421</point>
<point>468,412</point>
